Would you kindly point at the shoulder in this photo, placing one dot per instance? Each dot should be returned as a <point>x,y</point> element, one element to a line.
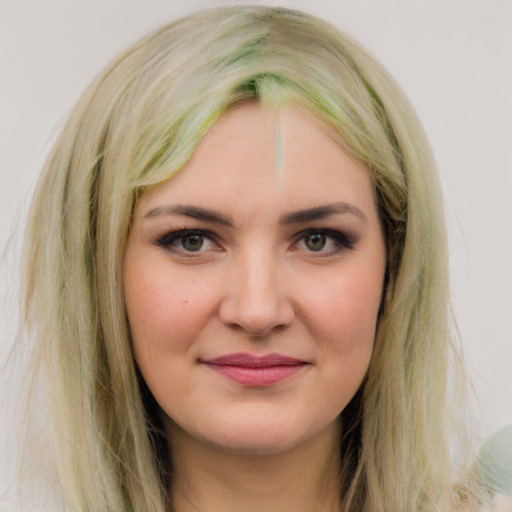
<point>494,467</point>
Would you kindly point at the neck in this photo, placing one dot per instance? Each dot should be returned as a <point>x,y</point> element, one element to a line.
<point>210,479</point>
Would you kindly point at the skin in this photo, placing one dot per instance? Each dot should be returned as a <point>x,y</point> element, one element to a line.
<point>258,284</point>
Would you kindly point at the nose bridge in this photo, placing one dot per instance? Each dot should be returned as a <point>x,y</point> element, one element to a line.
<point>256,299</point>
<point>260,289</point>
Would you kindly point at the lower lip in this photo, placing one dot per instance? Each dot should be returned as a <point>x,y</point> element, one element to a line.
<point>261,376</point>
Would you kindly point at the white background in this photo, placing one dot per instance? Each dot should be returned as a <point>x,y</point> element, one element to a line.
<point>452,57</point>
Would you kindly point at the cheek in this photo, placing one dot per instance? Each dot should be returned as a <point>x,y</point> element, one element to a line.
<point>346,304</point>
<point>165,311</point>
<point>342,317</point>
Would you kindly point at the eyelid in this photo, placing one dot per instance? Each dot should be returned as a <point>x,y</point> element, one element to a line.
<point>172,235</point>
<point>341,239</point>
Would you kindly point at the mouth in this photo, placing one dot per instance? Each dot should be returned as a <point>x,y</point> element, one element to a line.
<point>251,370</point>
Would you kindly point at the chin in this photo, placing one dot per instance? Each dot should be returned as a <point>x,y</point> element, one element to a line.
<point>265,437</point>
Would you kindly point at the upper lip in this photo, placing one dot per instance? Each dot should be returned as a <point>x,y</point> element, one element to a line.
<point>252,361</point>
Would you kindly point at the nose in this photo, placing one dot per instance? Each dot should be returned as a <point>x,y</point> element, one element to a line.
<point>255,299</point>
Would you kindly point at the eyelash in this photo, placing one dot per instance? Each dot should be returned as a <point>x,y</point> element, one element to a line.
<point>340,240</point>
<point>166,241</point>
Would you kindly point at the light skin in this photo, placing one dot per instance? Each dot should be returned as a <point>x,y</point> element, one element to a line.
<point>235,256</point>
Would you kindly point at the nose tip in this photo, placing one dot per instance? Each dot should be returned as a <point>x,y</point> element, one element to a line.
<point>256,301</point>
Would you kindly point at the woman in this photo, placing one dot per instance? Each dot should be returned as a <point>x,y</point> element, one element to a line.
<point>235,274</point>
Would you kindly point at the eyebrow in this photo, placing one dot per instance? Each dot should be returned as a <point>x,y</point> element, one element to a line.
<point>195,212</point>
<point>321,212</point>
<point>308,214</point>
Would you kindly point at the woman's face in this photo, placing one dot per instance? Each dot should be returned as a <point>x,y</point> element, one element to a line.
<point>253,280</point>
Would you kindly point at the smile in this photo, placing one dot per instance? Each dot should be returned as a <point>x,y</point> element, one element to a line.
<point>252,370</point>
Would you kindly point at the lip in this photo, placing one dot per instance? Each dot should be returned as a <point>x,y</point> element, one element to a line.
<point>251,370</point>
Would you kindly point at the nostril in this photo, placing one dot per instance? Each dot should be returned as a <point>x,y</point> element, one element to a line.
<point>258,327</point>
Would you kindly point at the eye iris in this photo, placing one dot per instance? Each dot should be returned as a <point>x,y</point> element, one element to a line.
<point>315,241</point>
<point>192,242</point>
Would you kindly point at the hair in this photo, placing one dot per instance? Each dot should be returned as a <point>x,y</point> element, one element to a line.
<point>136,125</point>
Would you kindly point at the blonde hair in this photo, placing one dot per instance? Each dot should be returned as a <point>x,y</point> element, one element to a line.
<point>136,125</point>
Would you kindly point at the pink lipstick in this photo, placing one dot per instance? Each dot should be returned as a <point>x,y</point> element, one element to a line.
<point>251,370</point>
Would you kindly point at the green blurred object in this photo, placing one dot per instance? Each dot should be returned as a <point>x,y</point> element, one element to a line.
<point>494,463</point>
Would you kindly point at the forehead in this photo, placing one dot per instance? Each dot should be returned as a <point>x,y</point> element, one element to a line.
<point>267,158</point>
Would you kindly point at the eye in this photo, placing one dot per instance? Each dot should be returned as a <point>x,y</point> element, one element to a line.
<point>187,241</point>
<point>315,241</point>
<point>324,241</point>
<point>192,242</point>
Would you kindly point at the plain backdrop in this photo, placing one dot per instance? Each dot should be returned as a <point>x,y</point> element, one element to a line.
<point>452,57</point>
